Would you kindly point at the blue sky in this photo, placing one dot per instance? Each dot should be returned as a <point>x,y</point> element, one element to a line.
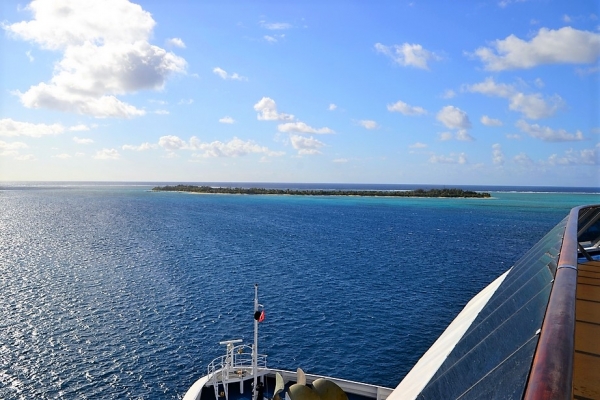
<point>492,92</point>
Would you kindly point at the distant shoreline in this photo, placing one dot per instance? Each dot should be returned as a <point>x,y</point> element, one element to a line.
<point>437,193</point>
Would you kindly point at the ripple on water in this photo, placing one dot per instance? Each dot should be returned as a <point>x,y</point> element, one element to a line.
<point>119,293</point>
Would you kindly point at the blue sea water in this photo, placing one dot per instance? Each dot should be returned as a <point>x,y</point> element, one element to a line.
<point>117,292</point>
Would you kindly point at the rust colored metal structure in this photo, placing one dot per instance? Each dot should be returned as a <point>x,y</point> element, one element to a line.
<point>552,370</point>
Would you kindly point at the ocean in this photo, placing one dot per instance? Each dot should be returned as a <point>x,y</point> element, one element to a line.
<point>112,291</point>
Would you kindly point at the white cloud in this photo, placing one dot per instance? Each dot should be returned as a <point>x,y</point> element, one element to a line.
<point>548,134</point>
<point>451,159</point>
<point>523,159</point>
<point>29,56</point>
<point>226,120</point>
<point>177,42</point>
<point>63,156</point>
<point>454,118</point>
<point>490,88</point>
<point>418,145</point>
<point>270,39</point>
<point>107,154</point>
<point>413,55</point>
<point>405,109</point>
<point>82,140</point>
<point>162,112</point>
<point>142,147</point>
<point>533,106</point>
<point>368,124</point>
<point>172,143</point>
<point>340,160</point>
<point>574,157</point>
<point>487,121</point>
<point>12,128</point>
<point>11,149</point>
<point>539,83</point>
<point>449,94</point>
<point>25,157</point>
<point>224,75</point>
<point>306,146</point>
<point>497,154</point>
<point>105,53</point>
<point>275,26</point>
<point>445,136</point>
<point>79,128</point>
<point>234,148</point>
<point>332,107</point>
<point>268,111</point>
<point>464,136</point>
<point>562,46</point>
<point>301,127</point>
<point>186,101</point>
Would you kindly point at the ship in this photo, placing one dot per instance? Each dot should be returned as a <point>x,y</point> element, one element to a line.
<point>533,333</point>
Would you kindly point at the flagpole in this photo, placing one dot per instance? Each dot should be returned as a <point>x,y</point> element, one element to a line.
<point>255,347</point>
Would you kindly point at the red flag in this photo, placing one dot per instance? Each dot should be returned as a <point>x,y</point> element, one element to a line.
<point>262,316</point>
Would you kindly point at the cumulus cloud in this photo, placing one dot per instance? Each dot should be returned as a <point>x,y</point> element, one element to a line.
<point>368,124</point>
<point>12,128</point>
<point>464,136</point>
<point>142,147</point>
<point>234,148</point>
<point>224,75</point>
<point>306,146</point>
<point>332,107</point>
<point>445,136</point>
<point>227,120</point>
<point>487,121</point>
<point>301,127</point>
<point>107,154</point>
<point>449,94</point>
<point>172,143</point>
<point>407,54</point>
<point>497,154</point>
<point>574,157</point>
<point>177,42</point>
<point>561,46</point>
<point>454,118</point>
<point>82,140</point>
<point>275,26</point>
<point>105,53</point>
<point>267,110</point>
<point>405,109</point>
<point>533,106</point>
<point>80,127</point>
<point>523,159</point>
<point>548,134</point>
<point>11,149</point>
<point>451,159</point>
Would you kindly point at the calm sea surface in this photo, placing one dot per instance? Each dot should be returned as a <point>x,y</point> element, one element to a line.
<point>117,292</point>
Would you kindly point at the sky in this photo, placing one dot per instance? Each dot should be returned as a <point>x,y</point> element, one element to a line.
<point>500,92</point>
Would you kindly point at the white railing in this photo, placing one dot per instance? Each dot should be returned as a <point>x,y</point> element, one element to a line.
<point>235,365</point>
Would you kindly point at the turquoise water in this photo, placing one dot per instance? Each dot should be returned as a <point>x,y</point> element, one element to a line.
<point>118,292</point>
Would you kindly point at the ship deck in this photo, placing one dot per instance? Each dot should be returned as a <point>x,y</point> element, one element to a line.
<point>586,384</point>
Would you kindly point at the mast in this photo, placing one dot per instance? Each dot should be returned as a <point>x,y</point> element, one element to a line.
<point>255,346</point>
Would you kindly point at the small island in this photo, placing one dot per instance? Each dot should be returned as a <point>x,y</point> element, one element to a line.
<point>454,193</point>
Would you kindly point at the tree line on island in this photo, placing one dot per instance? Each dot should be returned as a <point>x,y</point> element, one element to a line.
<point>318,192</point>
